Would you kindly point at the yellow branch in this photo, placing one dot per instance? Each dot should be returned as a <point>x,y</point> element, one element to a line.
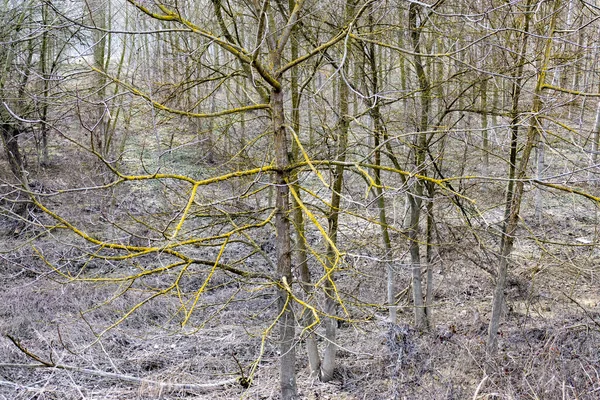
<point>161,106</point>
<point>569,91</point>
<point>264,337</point>
<point>568,189</point>
<point>307,160</point>
<point>239,52</point>
<point>205,283</point>
<point>185,211</point>
<point>328,271</point>
<point>312,309</point>
<point>202,182</point>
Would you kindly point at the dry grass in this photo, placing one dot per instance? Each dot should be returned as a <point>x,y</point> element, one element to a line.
<point>552,355</point>
<point>549,344</point>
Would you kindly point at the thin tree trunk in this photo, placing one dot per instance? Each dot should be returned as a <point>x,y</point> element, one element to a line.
<point>506,240</point>
<point>11,129</point>
<point>10,139</point>
<point>312,350</point>
<point>287,321</point>
<point>485,127</point>
<point>331,296</point>
<point>419,145</point>
<point>539,199</point>
<point>495,100</point>
<point>44,52</point>
<point>287,329</point>
<point>513,208</point>
<point>595,146</point>
<point>98,16</point>
<point>375,114</point>
<point>329,356</point>
<point>429,256</point>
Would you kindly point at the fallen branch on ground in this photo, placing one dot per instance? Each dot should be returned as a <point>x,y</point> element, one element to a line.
<point>128,378</point>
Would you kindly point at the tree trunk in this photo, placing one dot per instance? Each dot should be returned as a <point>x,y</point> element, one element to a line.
<point>595,146</point>
<point>416,193</point>
<point>506,240</point>
<point>329,356</point>
<point>429,256</point>
<point>484,128</point>
<point>540,164</point>
<point>99,127</point>
<point>312,350</point>
<point>377,127</point>
<point>44,55</point>
<point>514,206</point>
<point>287,329</point>
<point>10,139</point>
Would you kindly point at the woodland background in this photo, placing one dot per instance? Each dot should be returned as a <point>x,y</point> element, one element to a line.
<point>284,199</point>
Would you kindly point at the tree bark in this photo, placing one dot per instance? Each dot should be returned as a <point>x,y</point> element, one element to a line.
<point>287,330</point>
<point>10,139</point>
<point>287,327</point>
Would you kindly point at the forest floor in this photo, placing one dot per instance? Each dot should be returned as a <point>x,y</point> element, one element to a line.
<point>549,341</point>
<point>549,345</point>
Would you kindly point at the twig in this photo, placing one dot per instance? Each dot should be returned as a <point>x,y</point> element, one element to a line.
<point>244,382</point>
<point>127,378</point>
<point>587,314</point>
<point>163,385</point>
<point>479,387</point>
<point>17,386</point>
<point>28,353</point>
